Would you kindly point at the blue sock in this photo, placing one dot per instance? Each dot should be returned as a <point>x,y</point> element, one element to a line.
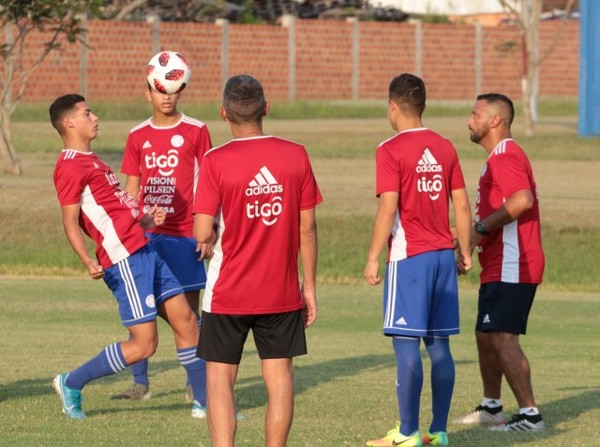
<point>196,372</point>
<point>188,377</point>
<point>140,372</point>
<point>109,361</point>
<point>409,382</point>
<point>442,380</point>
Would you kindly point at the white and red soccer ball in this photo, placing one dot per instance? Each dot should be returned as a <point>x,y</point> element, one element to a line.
<point>168,72</point>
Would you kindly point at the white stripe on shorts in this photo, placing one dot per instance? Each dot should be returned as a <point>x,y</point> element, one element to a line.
<point>132,294</point>
<point>391,297</point>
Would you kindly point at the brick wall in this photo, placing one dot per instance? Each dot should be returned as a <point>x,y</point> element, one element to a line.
<point>118,53</point>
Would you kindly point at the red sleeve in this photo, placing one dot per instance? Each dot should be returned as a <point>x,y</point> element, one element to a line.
<point>131,158</point>
<point>457,180</point>
<point>207,199</point>
<point>387,172</point>
<point>510,172</point>
<point>310,193</point>
<point>69,184</point>
<point>203,144</point>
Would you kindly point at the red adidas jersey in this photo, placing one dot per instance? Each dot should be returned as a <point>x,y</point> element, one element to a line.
<point>167,160</point>
<point>514,252</point>
<point>256,187</point>
<point>423,168</point>
<point>109,215</point>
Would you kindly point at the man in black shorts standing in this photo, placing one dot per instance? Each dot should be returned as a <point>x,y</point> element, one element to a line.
<point>509,246</point>
<point>262,193</point>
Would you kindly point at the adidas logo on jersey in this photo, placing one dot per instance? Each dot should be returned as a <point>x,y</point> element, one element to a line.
<point>428,163</point>
<point>146,145</point>
<point>263,183</point>
<point>486,319</point>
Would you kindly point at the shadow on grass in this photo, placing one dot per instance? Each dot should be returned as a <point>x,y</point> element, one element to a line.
<point>555,413</point>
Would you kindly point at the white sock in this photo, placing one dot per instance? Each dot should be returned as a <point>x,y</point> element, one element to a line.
<point>530,411</point>
<point>491,403</point>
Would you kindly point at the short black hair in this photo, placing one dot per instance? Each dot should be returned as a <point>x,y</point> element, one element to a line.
<point>244,100</point>
<point>408,91</point>
<point>61,106</point>
<point>503,100</point>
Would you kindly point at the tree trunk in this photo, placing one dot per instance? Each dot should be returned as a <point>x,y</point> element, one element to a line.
<point>11,162</point>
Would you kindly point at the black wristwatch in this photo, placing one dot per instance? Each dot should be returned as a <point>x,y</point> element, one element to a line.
<point>481,229</point>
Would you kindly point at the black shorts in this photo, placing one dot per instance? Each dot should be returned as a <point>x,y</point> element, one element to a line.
<point>276,336</point>
<point>504,307</point>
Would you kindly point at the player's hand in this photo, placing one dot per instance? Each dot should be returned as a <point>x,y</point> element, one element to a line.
<point>205,249</point>
<point>158,215</point>
<point>310,306</point>
<point>95,270</point>
<point>464,263</point>
<point>371,273</point>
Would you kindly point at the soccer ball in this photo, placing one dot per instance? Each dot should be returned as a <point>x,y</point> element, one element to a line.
<point>168,72</point>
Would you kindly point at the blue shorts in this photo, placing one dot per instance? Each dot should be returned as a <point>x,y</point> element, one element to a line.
<point>420,296</point>
<point>140,282</point>
<point>180,255</point>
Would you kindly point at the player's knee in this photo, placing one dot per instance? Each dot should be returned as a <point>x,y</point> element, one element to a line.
<point>144,347</point>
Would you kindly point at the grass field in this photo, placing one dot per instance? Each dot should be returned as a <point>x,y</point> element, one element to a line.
<point>344,386</point>
<point>52,318</point>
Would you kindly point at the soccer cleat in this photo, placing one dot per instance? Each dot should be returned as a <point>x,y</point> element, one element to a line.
<point>71,398</point>
<point>198,411</point>
<point>522,422</point>
<point>387,440</point>
<point>483,415</point>
<point>189,394</point>
<point>436,438</point>
<point>414,440</point>
<point>137,392</point>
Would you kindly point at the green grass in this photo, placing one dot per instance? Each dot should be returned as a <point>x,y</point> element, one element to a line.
<point>344,387</point>
<point>52,319</point>
<point>139,110</point>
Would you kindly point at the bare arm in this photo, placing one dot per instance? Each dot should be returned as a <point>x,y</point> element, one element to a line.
<point>205,235</point>
<point>462,230</point>
<point>308,257</point>
<point>70,215</point>
<point>518,203</point>
<point>384,220</point>
<point>132,186</point>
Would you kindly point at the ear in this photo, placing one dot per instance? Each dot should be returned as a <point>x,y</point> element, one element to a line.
<point>495,121</point>
<point>223,113</point>
<point>267,108</point>
<point>68,123</point>
<point>148,95</point>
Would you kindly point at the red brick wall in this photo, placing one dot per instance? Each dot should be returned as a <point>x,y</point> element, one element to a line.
<point>119,51</point>
<point>260,51</point>
<point>385,51</point>
<point>323,59</point>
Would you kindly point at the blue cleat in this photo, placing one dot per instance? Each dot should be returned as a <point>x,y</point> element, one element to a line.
<point>71,398</point>
<point>198,410</point>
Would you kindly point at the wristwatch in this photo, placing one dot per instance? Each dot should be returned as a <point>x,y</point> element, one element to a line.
<point>481,229</point>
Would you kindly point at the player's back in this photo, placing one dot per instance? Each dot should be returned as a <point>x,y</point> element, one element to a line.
<point>423,168</point>
<point>263,183</point>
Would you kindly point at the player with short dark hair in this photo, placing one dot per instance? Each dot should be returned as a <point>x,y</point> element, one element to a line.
<point>93,203</point>
<point>262,193</point>
<point>162,162</point>
<point>418,174</point>
<point>509,245</point>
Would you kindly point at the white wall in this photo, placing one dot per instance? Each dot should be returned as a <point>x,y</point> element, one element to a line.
<point>450,7</point>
